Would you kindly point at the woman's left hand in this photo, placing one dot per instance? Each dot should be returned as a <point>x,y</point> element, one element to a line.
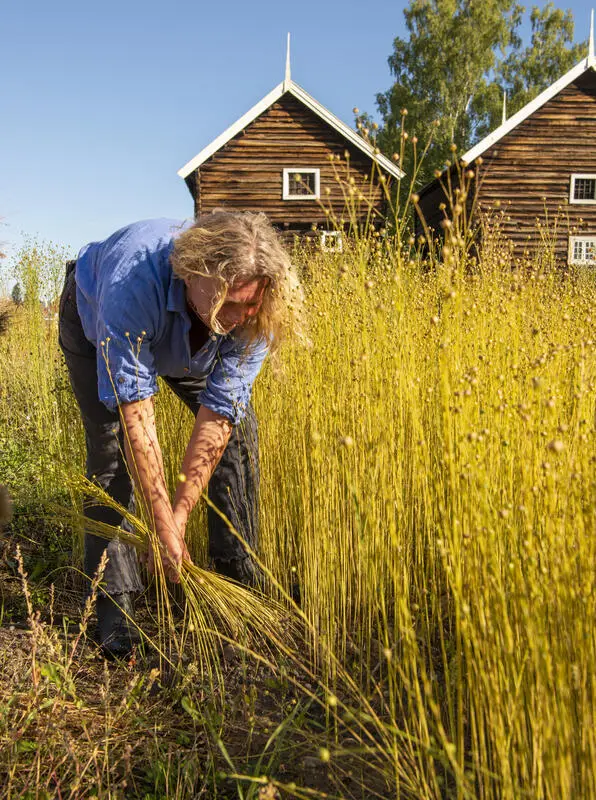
<point>173,553</point>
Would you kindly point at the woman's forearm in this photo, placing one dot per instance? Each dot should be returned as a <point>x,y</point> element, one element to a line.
<point>145,462</point>
<point>208,441</point>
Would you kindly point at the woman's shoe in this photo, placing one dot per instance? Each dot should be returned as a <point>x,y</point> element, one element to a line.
<point>117,634</point>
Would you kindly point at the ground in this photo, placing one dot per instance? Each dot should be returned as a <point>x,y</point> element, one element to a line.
<point>79,726</point>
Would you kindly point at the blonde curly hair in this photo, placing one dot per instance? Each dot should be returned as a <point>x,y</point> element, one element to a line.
<point>235,248</point>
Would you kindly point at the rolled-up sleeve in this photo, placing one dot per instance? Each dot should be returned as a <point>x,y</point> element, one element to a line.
<point>230,382</point>
<point>125,363</point>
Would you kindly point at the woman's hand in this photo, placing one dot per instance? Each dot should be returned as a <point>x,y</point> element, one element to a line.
<point>173,553</point>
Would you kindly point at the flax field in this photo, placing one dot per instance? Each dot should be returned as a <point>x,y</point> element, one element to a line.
<point>428,479</point>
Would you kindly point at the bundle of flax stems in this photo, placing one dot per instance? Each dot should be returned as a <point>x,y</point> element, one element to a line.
<point>215,610</point>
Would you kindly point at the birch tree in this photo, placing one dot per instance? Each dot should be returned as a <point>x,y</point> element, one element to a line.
<point>450,74</point>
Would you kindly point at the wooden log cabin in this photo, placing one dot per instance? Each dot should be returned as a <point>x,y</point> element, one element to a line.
<point>537,171</point>
<point>284,157</point>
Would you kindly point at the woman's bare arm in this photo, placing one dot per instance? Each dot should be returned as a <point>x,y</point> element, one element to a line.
<point>145,462</point>
<point>209,439</point>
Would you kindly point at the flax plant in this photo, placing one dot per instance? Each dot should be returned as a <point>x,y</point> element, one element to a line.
<point>428,469</point>
<point>428,458</point>
<point>37,409</point>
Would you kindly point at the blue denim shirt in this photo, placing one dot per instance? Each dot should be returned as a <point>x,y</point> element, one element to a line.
<point>133,309</point>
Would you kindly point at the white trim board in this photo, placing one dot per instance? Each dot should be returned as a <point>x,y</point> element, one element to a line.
<point>530,108</point>
<point>334,236</point>
<point>300,94</point>
<point>588,241</point>
<point>287,171</point>
<point>586,201</point>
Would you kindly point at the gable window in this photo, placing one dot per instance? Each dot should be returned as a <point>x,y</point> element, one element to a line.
<point>583,188</point>
<point>301,183</point>
<point>582,250</point>
<point>332,242</point>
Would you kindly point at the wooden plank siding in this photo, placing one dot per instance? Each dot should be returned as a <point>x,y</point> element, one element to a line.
<point>247,173</point>
<point>528,172</point>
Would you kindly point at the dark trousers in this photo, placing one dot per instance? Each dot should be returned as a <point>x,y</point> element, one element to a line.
<point>233,487</point>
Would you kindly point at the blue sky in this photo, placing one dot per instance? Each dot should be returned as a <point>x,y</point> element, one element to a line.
<point>103,102</point>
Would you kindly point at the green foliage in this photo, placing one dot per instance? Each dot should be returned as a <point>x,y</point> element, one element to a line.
<point>444,65</point>
<point>19,464</point>
<point>39,268</point>
<point>527,72</point>
<point>17,294</point>
<point>450,74</point>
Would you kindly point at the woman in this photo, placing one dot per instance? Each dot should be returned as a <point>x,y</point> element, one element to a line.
<point>199,304</point>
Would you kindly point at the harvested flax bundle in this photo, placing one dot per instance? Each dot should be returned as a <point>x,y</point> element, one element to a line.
<point>217,610</point>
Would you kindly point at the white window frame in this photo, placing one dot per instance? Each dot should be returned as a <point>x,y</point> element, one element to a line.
<point>338,247</point>
<point>591,176</point>
<point>302,171</point>
<point>572,242</point>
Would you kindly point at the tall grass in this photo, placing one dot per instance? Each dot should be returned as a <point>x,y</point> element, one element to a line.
<point>428,477</point>
<point>429,469</point>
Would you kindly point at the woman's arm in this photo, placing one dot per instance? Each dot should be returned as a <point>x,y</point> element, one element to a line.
<point>209,439</point>
<point>145,462</point>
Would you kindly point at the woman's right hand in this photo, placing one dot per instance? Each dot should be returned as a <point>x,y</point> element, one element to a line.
<point>173,553</point>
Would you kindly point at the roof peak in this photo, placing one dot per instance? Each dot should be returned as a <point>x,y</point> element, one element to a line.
<point>323,113</point>
<point>547,94</point>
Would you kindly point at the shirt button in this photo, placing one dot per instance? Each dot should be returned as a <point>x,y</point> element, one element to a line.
<point>121,379</point>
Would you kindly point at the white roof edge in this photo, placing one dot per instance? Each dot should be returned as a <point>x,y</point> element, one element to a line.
<point>529,109</point>
<point>310,102</point>
<point>230,132</point>
<point>345,131</point>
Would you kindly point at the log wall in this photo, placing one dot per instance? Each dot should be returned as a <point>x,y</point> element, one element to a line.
<point>247,173</point>
<point>527,174</point>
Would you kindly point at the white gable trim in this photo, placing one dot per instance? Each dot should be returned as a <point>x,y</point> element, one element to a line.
<point>228,134</point>
<point>267,101</point>
<point>345,131</point>
<point>529,109</point>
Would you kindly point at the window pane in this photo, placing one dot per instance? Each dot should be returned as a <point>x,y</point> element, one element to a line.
<point>578,248</point>
<point>332,242</point>
<point>301,183</point>
<point>583,251</point>
<point>584,189</point>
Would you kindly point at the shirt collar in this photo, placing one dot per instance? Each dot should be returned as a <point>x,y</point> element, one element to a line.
<point>176,295</point>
